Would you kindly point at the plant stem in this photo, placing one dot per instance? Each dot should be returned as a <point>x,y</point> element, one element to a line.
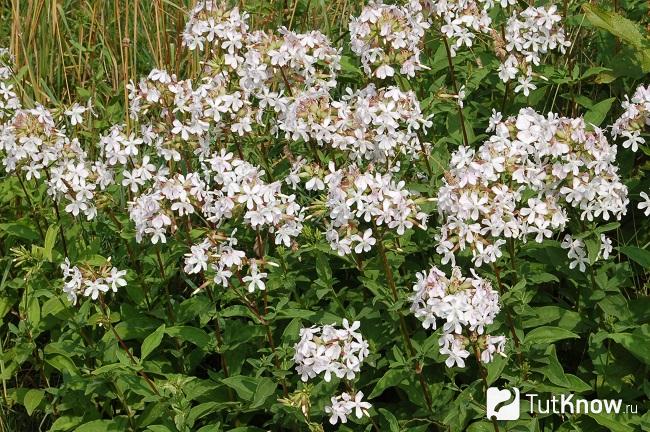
<point>269,334</point>
<point>511,325</point>
<point>485,383</point>
<point>107,319</point>
<point>217,333</point>
<point>402,322</point>
<point>58,218</point>
<point>455,85</point>
<point>170,309</point>
<point>31,206</point>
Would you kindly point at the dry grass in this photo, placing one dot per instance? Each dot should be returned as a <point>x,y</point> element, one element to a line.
<point>67,50</point>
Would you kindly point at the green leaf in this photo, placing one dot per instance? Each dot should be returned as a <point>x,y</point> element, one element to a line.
<point>117,424</point>
<point>244,386</point>
<point>565,318</point>
<point>611,423</point>
<point>163,428</point>
<point>599,111</point>
<point>65,423</point>
<point>636,343</point>
<point>613,23</point>
<point>152,342</point>
<point>265,388</point>
<point>19,229</point>
<point>323,269</point>
<point>246,429</point>
<point>50,241</point>
<point>51,307</point>
<point>63,364</point>
<point>547,335</point>
<point>138,327</point>
<point>607,227</point>
<point>34,311</point>
<point>481,426</point>
<point>593,249</point>
<point>623,29</point>
<point>393,425</point>
<point>201,410</point>
<point>390,379</point>
<point>554,371</point>
<point>641,256</point>
<point>495,368</point>
<point>32,399</point>
<point>190,334</point>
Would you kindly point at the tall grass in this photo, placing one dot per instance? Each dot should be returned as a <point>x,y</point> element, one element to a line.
<point>67,50</point>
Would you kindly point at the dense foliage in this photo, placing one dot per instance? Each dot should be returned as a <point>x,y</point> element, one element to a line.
<point>322,215</point>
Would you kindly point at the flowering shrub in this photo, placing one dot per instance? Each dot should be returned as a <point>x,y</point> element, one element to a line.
<point>234,234</point>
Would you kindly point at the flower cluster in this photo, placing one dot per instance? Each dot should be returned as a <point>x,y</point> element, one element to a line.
<point>213,22</point>
<point>268,70</point>
<point>522,181</point>
<point>9,101</point>
<point>371,124</point>
<point>466,305</point>
<point>634,119</point>
<point>330,350</point>
<point>578,254</point>
<point>91,281</point>
<point>386,37</point>
<point>463,20</point>
<point>225,186</point>
<point>343,405</point>
<point>35,146</point>
<point>290,61</point>
<point>154,212</point>
<point>239,184</point>
<point>338,351</point>
<point>217,255</point>
<point>236,189</point>
<point>534,32</point>
<point>355,198</point>
<point>161,100</point>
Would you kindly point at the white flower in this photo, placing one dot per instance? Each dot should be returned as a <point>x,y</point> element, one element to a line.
<point>75,113</point>
<point>605,246</point>
<point>315,184</point>
<point>95,287</point>
<point>256,279</point>
<point>343,405</point>
<point>633,140</point>
<point>181,129</point>
<point>360,408</point>
<point>525,85</point>
<point>365,243</point>
<point>383,33</point>
<point>635,117</point>
<point>75,207</point>
<point>116,279</point>
<point>645,204</point>
<point>384,71</point>
<point>338,410</point>
<point>197,260</point>
<point>579,261</point>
